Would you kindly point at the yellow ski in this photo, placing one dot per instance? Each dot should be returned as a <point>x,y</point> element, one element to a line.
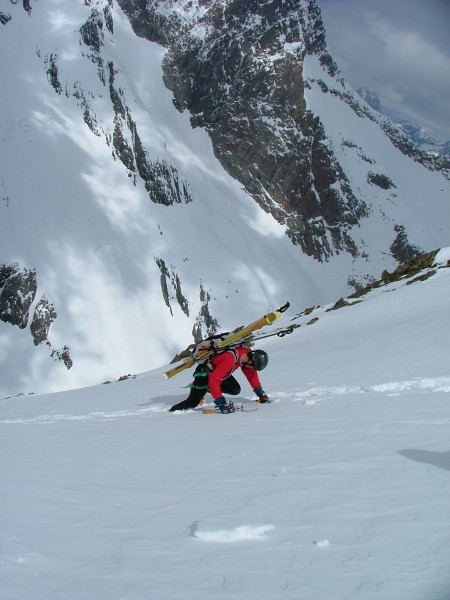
<point>233,338</point>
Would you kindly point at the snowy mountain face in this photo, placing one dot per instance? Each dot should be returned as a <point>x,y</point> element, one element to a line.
<point>416,134</point>
<point>370,97</point>
<point>239,70</point>
<point>237,67</point>
<point>167,182</point>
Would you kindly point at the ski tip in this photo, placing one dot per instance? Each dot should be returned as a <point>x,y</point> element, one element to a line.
<point>284,307</point>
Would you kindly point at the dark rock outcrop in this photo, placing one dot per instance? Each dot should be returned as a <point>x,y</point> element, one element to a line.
<point>43,316</point>
<point>18,286</point>
<point>17,293</point>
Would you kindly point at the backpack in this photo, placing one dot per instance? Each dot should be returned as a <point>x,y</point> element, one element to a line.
<point>210,343</point>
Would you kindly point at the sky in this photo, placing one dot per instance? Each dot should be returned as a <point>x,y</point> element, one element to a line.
<point>399,49</point>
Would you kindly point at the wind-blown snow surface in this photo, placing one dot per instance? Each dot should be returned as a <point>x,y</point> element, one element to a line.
<point>338,489</point>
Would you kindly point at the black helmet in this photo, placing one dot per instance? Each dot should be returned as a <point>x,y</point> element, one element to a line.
<point>259,359</point>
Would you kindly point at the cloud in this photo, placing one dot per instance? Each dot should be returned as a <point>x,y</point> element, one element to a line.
<point>411,74</point>
<point>400,50</point>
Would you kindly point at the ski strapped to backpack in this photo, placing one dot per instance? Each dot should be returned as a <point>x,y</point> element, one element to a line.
<point>281,332</point>
<point>231,339</point>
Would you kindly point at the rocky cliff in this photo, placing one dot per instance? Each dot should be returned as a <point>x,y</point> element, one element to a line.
<point>237,67</point>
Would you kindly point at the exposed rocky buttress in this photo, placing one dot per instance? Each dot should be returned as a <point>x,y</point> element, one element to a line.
<point>237,67</point>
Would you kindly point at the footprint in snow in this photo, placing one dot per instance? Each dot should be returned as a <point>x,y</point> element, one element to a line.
<point>244,532</point>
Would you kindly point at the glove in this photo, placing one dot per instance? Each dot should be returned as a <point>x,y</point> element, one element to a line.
<point>262,396</point>
<point>224,406</point>
<point>220,403</point>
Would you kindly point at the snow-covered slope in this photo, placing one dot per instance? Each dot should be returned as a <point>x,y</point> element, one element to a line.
<point>121,234</point>
<point>338,489</point>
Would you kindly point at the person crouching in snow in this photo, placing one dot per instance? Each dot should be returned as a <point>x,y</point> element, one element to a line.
<point>216,376</point>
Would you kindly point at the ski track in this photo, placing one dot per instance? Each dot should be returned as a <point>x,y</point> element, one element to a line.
<point>309,397</point>
<point>391,388</point>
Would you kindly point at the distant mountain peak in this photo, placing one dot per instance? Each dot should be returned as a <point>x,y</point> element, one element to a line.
<point>370,97</point>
